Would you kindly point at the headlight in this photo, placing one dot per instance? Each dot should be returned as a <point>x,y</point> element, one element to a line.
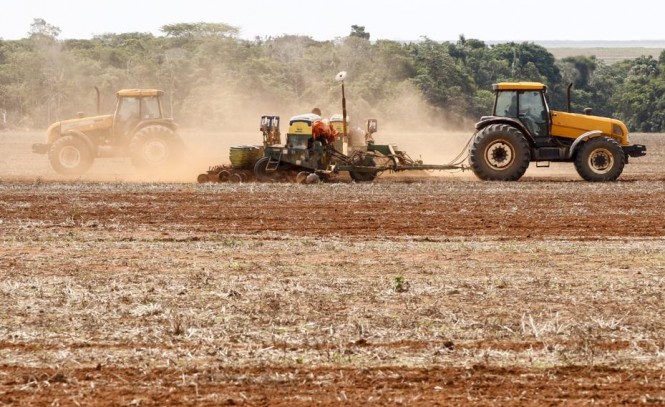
<point>616,130</point>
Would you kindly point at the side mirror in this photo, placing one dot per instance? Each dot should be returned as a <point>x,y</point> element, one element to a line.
<point>587,111</point>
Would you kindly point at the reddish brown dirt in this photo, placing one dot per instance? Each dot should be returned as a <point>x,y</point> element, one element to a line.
<point>546,291</point>
<point>394,210</point>
<point>438,386</point>
<point>572,210</point>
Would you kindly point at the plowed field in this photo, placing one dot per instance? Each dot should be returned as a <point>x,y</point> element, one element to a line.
<point>421,289</point>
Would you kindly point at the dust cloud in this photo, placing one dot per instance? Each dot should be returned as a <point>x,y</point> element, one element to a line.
<point>421,130</point>
<point>406,120</point>
<point>232,117</point>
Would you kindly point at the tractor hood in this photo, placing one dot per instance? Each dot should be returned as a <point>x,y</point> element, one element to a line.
<point>83,125</point>
<point>573,125</point>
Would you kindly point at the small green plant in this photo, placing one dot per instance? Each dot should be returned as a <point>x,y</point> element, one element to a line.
<point>401,285</point>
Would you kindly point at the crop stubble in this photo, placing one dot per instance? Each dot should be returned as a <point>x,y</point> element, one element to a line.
<point>413,291</point>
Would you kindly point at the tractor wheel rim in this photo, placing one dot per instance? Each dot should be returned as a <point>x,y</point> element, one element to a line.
<point>601,161</point>
<point>69,157</point>
<point>155,151</point>
<point>499,155</point>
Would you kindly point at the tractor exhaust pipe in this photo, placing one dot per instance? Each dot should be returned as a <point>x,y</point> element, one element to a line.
<point>99,103</point>
<point>570,85</point>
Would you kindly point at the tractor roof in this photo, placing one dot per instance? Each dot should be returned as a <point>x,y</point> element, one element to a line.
<point>519,86</point>
<point>140,92</point>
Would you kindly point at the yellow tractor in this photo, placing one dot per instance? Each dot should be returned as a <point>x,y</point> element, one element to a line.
<point>137,129</point>
<point>523,129</point>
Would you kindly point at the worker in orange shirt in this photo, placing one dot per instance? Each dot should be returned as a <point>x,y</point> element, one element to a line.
<point>322,130</point>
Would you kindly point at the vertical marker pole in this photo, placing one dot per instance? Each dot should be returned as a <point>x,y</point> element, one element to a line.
<point>340,78</point>
<point>344,113</point>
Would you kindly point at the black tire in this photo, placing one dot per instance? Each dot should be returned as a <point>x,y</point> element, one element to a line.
<point>600,159</point>
<point>155,147</point>
<point>363,176</point>
<point>223,176</point>
<point>70,155</point>
<point>260,171</point>
<point>499,152</point>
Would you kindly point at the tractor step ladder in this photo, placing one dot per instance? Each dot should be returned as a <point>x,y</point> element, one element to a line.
<point>273,164</point>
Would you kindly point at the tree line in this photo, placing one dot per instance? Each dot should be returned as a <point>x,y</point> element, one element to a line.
<point>211,76</point>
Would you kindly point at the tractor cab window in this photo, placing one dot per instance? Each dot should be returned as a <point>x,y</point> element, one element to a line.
<point>526,106</point>
<point>150,108</point>
<point>127,115</point>
<point>532,112</point>
<point>128,108</point>
<point>506,104</point>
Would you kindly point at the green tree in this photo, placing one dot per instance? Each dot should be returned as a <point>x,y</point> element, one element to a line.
<point>528,62</point>
<point>442,79</point>
<point>640,94</point>
<point>579,70</point>
<point>40,28</point>
<point>358,31</point>
<point>479,61</point>
<point>199,30</point>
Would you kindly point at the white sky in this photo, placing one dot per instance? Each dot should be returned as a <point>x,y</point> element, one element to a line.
<point>441,20</point>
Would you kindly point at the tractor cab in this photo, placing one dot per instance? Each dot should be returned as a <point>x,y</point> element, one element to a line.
<point>524,102</point>
<point>135,106</point>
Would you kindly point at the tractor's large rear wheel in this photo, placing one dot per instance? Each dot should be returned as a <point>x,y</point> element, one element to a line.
<point>600,159</point>
<point>70,155</point>
<point>155,147</point>
<point>499,152</point>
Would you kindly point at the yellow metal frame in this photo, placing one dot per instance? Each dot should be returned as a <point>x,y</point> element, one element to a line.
<point>140,92</point>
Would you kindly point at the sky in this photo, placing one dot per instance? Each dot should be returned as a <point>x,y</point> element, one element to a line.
<point>404,20</point>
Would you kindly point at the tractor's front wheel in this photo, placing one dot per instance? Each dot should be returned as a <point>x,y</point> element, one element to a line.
<point>600,159</point>
<point>70,155</point>
<point>155,147</point>
<point>499,152</point>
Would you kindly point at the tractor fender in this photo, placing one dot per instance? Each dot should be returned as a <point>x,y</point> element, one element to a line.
<point>578,141</point>
<point>80,135</point>
<point>53,133</point>
<point>161,122</point>
<point>487,120</point>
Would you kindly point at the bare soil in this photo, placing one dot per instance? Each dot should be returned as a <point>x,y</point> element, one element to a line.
<point>419,289</point>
